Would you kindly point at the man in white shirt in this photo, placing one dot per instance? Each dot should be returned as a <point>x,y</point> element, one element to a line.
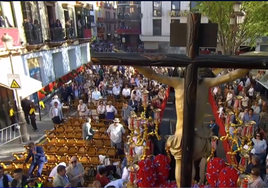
<point>96,95</point>
<point>115,132</point>
<point>247,83</point>
<point>55,113</point>
<point>116,91</point>
<point>137,95</point>
<point>55,99</point>
<point>54,170</point>
<point>126,92</point>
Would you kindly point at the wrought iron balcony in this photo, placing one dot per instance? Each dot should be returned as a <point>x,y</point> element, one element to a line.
<point>100,19</point>
<point>110,20</point>
<point>60,34</point>
<point>33,36</point>
<point>129,17</point>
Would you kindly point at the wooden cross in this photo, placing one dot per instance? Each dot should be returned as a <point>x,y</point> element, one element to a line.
<point>197,36</point>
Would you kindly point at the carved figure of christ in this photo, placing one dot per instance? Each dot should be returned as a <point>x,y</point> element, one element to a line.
<point>201,143</point>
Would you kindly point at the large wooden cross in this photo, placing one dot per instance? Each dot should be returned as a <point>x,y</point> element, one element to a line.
<point>197,36</point>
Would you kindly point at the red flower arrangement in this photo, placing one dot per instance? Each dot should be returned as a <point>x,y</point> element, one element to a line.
<point>162,168</point>
<point>146,175</point>
<point>214,167</point>
<point>228,177</point>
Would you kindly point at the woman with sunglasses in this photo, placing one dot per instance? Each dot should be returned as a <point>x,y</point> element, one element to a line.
<point>260,146</point>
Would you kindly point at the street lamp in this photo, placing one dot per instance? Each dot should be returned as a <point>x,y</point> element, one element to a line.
<point>8,42</point>
<point>236,18</point>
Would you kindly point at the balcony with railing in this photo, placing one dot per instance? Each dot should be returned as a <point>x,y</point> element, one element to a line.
<point>60,34</point>
<point>128,3</point>
<point>128,31</point>
<point>33,36</point>
<point>136,17</point>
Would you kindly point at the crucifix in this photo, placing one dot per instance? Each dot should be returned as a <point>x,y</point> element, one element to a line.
<point>191,138</point>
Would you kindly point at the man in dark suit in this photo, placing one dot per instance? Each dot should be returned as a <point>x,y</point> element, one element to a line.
<point>214,128</point>
<point>133,103</point>
<point>25,104</point>
<point>19,180</point>
<point>38,158</point>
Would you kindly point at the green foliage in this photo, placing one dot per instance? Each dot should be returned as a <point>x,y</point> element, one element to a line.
<point>231,37</point>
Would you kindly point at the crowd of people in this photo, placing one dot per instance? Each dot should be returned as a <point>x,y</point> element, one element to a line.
<point>111,47</point>
<point>95,87</point>
<point>239,103</point>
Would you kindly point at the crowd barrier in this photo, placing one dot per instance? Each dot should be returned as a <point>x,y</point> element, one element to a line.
<point>219,122</point>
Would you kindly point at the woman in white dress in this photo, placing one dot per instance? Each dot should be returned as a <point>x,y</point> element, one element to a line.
<point>82,109</point>
<point>229,98</point>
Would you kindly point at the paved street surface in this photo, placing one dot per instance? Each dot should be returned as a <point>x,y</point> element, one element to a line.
<point>16,146</point>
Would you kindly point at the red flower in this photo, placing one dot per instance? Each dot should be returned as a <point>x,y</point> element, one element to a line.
<point>228,177</point>
<point>162,167</point>
<point>214,167</point>
<point>146,175</point>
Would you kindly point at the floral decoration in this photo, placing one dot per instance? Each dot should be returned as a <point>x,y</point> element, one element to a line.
<point>146,174</point>
<point>214,167</point>
<point>162,167</point>
<point>228,177</point>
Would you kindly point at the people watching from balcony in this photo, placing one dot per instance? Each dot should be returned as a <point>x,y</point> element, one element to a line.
<point>32,31</point>
<point>4,22</point>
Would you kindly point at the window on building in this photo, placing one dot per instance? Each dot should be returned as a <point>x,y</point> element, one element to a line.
<point>7,11</point>
<point>109,15</point>
<point>157,27</point>
<point>175,5</point>
<point>114,27</point>
<point>193,5</point>
<point>175,21</point>
<point>157,8</point>
<point>114,15</point>
<point>34,68</point>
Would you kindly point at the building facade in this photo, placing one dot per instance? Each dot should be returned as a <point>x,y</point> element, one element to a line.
<point>129,22</point>
<point>106,20</point>
<point>155,23</point>
<point>50,40</point>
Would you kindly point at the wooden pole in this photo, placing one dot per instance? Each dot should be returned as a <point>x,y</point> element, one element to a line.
<point>190,88</point>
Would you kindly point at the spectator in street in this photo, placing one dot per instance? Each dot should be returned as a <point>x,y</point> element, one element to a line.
<point>214,128</point>
<point>54,170</point>
<point>56,99</point>
<point>82,109</point>
<point>116,91</point>
<point>260,146</point>
<point>33,117</point>
<point>25,104</point>
<point>87,131</point>
<point>126,112</point>
<point>5,179</point>
<point>101,176</point>
<point>55,113</point>
<point>61,179</point>
<point>250,116</point>
<point>75,172</point>
<point>256,177</point>
<point>126,92</point>
<point>101,110</point>
<point>31,182</point>
<point>256,108</point>
<point>38,158</point>
<point>133,103</point>
<point>111,111</point>
<point>115,132</point>
<point>116,184</point>
<point>19,180</point>
<point>96,95</point>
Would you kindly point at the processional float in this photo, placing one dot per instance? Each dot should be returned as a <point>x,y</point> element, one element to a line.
<point>198,35</point>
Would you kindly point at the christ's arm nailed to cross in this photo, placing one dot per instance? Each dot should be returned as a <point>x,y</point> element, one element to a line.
<point>175,81</point>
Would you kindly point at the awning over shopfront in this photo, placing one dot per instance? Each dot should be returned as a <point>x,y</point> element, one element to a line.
<point>28,86</point>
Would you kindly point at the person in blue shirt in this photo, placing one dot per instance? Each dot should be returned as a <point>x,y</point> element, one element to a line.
<point>250,116</point>
<point>5,179</point>
<point>116,184</point>
<point>38,158</point>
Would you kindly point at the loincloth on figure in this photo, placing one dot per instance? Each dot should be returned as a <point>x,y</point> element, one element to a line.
<point>202,145</point>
